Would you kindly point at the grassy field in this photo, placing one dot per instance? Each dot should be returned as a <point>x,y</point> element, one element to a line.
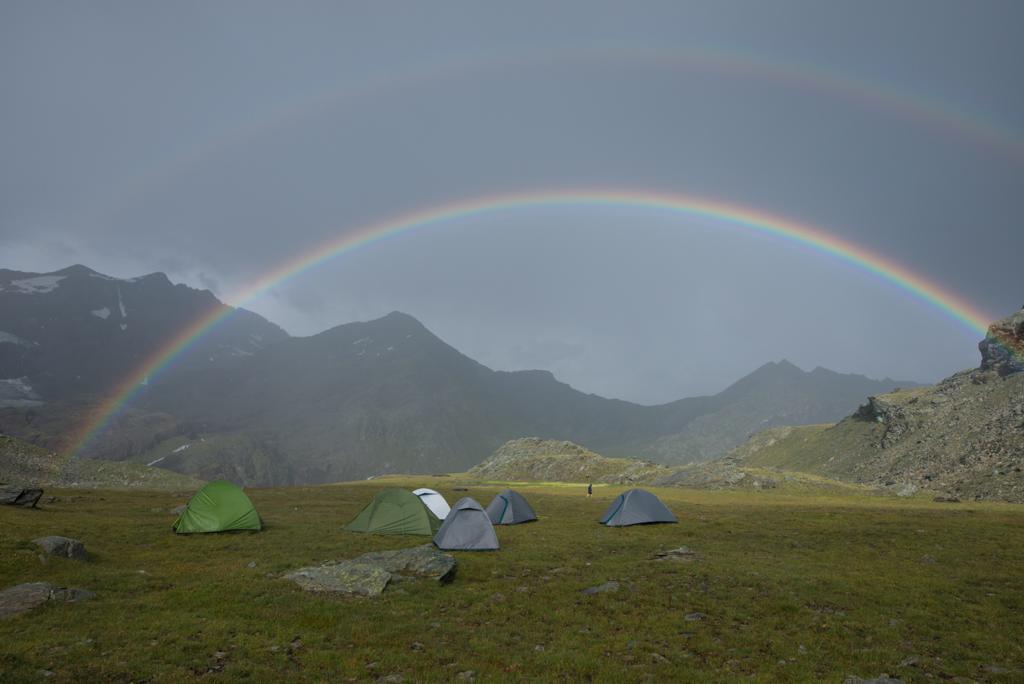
<point>794,587</point>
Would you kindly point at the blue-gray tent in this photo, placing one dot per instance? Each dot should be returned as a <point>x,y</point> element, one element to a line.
<point>467,528</point>
<point>636,507</point>
<point>510,508</point>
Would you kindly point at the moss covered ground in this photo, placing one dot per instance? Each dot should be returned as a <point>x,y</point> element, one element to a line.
<point>789,587</point>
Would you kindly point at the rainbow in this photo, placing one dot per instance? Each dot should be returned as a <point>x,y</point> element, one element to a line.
<point>728,215</point>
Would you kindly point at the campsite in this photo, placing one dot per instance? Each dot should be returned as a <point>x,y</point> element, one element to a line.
<point>780,586</point>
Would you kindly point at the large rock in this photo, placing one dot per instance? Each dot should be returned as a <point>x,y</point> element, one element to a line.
<point>24,597</point>
<point>420,561</point>
<point>1002,350</point>
<point>62,546</point>
<point>16,496</point>
<point>369,574</point>
<point>346,577</point>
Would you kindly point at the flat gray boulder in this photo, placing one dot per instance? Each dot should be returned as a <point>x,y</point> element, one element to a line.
<point>369,574</point>
<point>63,547</point>
<point>24,597</point>
<point>418,562</point>
<point>346,577</point>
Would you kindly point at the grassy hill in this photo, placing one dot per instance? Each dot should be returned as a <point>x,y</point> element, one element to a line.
<point>24,464</point>
<point>532,458</point>
<point>789,587</point>
<point>962,437</point>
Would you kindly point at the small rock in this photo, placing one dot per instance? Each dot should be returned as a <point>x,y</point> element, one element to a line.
<point>601,588</point>
<point>928,560</point>
<point>539,648</point>
<point>416,646</point>
<point>695,617</point>
<point>880,679</point>
<point>178,510</point>
<point>466,676</point>
<point>392,678</point>
<point>995,669</point>
<point>683,553</point>
<point>908,662</point>
<point>47,673</point>
<point>907,490</point>
<point>24,597</point>
<point>522,590</point>
<point>659,659</point>
<point>62,546</point>
<point>251,564</point>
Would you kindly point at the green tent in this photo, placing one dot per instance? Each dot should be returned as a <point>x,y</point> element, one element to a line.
<point>218,507</point>
<point>395,511</point>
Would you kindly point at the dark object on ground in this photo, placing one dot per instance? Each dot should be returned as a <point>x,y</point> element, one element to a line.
<point>63,546</point>
<point>24,597</point>
<point>16,496</point>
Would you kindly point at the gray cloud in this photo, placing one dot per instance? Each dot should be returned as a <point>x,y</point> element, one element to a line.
<point>270,136</point>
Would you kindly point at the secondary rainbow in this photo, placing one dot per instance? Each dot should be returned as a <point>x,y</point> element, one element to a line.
<point>726,214</point>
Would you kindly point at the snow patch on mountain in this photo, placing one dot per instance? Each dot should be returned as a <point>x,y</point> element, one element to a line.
<point>36,285</point>
<point>120,305</point>
<point>9,338</point>
<point>103,313</point>
<point>17,392</point>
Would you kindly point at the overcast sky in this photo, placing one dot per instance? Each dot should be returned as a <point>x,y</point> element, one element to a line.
<point>214,140</point>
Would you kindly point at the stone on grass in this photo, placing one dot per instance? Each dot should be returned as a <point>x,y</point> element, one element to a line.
<point>370,574</point>
<point>344,577</point>
<point>62,546</point>
<point>24,597</point>
<point>419,561</point>
<point>881,679</point>
<point>601,588</point>
<point>683,553</point>
<point>695,617</point>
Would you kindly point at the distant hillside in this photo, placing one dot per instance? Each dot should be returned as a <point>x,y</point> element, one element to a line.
<point>249,403</point>
<point>775,394</point>
<point>75,332</point>
<point>963,437</point>
<point>549,460</point>
<point>24,464</point>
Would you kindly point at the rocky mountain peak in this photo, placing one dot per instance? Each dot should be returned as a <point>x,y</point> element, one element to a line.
<point>1002,350</point>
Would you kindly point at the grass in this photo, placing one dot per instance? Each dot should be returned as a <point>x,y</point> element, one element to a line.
<point>795,587</point>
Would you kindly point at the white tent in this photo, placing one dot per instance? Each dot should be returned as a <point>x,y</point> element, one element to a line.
<point>434,501</point>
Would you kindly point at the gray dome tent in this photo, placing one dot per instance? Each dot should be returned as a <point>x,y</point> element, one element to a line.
<point>467,528</point>
<point>510,508</point>
<point>636,507</point>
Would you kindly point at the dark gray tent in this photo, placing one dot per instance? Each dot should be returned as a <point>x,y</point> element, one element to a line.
<point>636,507</point>
<point>510,508</point>
<point>467,528</point>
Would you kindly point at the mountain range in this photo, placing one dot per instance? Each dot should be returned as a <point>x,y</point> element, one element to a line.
<point>253,404</point>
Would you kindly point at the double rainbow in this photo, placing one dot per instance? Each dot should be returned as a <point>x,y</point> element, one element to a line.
<point>725,214</point>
